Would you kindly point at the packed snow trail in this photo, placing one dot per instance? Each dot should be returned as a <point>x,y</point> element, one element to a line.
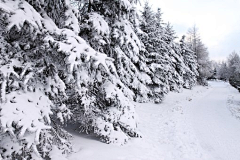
<point>217,130</point>
<point>198,124</point>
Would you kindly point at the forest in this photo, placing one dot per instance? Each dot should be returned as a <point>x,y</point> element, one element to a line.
<point>84,63</point>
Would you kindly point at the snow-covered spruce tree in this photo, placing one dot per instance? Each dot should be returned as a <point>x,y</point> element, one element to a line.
<point>158,60</point>
<point>178,67</point>
<point>190,76</point>
<point>112,27</point>
<point>149,28</point>
<point>47,71</point>
<point>163,53</point>
<point>29,86</point>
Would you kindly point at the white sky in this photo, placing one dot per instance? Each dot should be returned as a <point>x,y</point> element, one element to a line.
<point>218,22</point>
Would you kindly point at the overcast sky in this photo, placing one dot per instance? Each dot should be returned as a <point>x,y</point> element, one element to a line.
<point>218,22</point>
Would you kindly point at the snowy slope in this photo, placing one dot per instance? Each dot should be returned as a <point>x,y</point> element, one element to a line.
<point>198,124</point>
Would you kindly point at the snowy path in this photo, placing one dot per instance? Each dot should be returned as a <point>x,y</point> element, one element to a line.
<point>217,130</point>
<point>198,124</point>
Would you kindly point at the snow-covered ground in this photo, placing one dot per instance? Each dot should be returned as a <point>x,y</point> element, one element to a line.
<point>198,124</point>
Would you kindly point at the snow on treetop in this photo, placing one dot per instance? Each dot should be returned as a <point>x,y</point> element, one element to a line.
<point>21,12</point>
<point>99,24</point>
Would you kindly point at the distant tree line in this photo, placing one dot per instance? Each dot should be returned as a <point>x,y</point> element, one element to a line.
<point>229,70</point>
